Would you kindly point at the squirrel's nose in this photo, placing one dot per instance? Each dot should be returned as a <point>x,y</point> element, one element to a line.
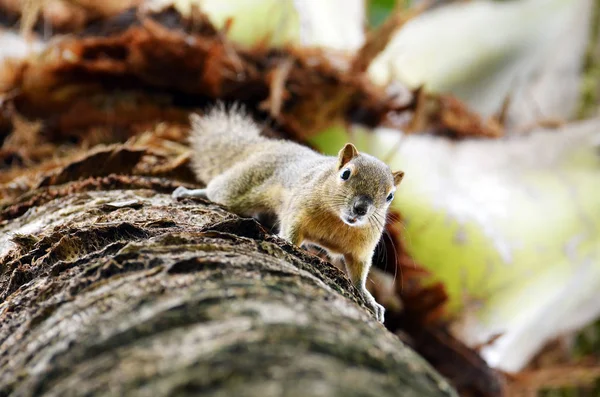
<point>360,209</point>
<point>361,205</point>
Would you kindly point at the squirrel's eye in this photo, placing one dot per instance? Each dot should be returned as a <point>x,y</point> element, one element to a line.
<point>345,175</point>
<point>390,196</point>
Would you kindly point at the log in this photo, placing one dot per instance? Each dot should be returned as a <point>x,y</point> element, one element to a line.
<point>108,286</point>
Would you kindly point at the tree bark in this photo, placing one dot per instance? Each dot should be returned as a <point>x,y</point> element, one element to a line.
<point>108,286</point>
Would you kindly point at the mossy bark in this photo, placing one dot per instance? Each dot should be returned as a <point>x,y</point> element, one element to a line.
<point>110,287</point>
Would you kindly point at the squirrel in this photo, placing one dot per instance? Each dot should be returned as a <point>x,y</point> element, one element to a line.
<point>337,203</point>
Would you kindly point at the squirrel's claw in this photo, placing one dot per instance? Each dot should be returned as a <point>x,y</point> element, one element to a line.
<point>379,311</point>
<point>179,192</point>
<point>376,307</point>
<point>182,192</point>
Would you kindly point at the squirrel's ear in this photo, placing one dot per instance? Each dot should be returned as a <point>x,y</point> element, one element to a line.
<point>347,153</point>
<point>398,175</point>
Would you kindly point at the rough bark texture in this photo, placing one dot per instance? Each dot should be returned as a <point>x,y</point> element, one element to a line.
<point>109,286</point>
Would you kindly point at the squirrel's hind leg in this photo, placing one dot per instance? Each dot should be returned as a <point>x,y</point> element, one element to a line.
<point>233,190</point>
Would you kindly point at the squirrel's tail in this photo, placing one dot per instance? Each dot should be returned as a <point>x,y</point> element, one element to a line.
<point>220,138</point>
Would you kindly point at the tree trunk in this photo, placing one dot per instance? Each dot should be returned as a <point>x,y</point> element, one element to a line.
<point>109,286</point>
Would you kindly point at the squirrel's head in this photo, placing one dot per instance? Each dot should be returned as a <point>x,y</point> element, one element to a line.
<point>365,188</point>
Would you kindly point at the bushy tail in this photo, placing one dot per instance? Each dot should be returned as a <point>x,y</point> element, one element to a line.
<point>220,138</point>
<point>220,120</point>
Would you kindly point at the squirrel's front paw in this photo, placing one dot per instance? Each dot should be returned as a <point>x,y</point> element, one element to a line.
<point>376,307</point>
<point>379,311</point>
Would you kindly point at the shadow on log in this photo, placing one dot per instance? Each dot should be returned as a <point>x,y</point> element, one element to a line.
<point>109,286</point>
